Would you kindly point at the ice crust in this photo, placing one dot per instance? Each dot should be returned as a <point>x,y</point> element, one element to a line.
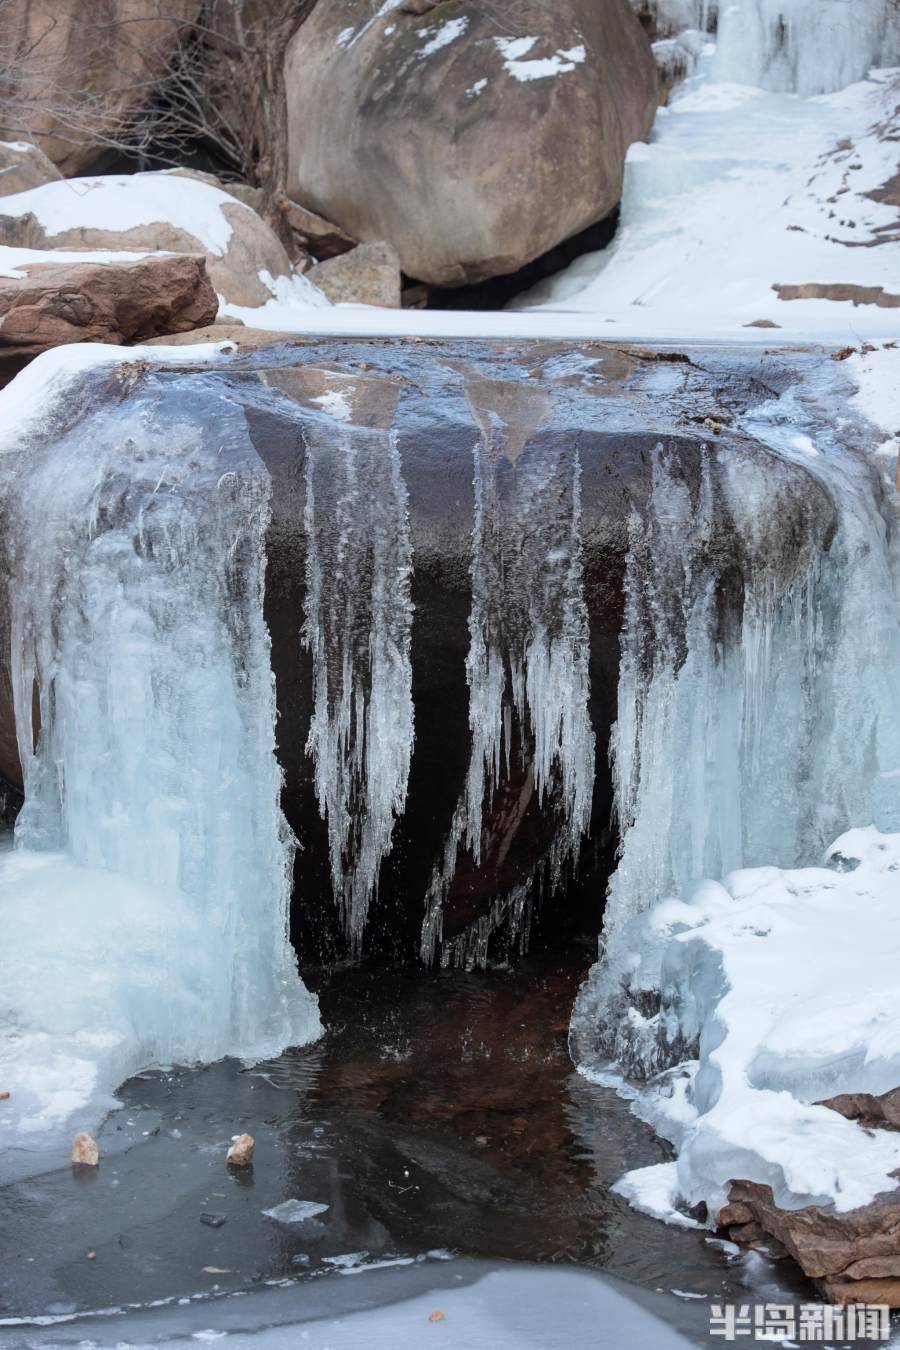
<point>145,905</point>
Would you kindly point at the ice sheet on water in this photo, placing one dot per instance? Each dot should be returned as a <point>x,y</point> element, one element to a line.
<point>294,1211</point>
<point>153,852</point>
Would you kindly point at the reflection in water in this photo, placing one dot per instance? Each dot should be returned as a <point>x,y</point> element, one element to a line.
<point>440,1113</point>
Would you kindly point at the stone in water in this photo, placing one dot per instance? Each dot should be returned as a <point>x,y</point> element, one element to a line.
<point>241,1152</point>
<point>84,1150</point>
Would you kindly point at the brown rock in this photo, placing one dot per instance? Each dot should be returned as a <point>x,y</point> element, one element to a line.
<point>733,1213</point>
<point>315,234</point>
<point>762,323</point>
<point>60,302</point>
<point>861,1291</point>
<point>853,1256</point>
<point>840,290</point>
<point>368,275</point>
<point>442,138</point>
<point>85,1152</point>
<point>865,1107</point>
<point>241,1152</point>
<point>24,166</point>
<point>81,66</point>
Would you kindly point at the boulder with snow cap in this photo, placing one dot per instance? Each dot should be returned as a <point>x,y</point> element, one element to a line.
<point>470,146</point>
<point>149,212</point>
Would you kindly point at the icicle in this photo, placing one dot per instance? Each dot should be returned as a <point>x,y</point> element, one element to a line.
<point>357,627</point>
<point>737,745</point>
<point>527,665</point>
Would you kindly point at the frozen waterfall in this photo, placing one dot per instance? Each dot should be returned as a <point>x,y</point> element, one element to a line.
<point>804,47</point>
<point>150,883</point>
<point>754,717</point>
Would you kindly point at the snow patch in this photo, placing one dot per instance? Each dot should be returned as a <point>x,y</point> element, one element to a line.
<point>443,36</point>
<point>514,50</point>
<point>788,981</point>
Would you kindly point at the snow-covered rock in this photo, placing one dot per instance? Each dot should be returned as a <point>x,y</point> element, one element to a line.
<point>151,212</point>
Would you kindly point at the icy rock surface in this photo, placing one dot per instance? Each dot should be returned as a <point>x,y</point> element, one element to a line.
<point>358,629</point>
<point>527,667</point>
<point>145,906</point>
<point>785,984</point>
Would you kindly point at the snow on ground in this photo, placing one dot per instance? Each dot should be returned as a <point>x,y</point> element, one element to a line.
<point>877,375</point>
<point>739,191</point>
<point>787,980</point>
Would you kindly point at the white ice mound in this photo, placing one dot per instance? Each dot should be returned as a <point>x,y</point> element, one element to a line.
<point>784,982</point>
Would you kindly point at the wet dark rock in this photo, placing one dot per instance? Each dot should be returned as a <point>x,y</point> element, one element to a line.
<point>213,1220</point>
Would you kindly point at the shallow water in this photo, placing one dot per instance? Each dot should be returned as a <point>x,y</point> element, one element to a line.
<point>439,1115</point>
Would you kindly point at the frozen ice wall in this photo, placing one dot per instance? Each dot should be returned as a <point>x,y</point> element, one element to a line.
<point>527,665</point>
<point>358,630</point>
<point>753,716</point>
<point>150,886</point>
<point>804,46</point>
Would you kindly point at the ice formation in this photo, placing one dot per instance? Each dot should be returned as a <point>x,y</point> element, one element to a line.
<point>804,47</point>
<point>151,878</point>
<point>357,627</point>
<point>527,667</point>
<point>744,186</point>
<point>753,745</point>
<point>741,750</point>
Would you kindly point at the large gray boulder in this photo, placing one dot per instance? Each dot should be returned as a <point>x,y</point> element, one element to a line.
<point>471,143</point>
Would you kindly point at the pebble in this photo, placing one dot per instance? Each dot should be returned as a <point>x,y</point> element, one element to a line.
<point>241,1152</point>
<point>213,1220</point>
<point>85,1151</point>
